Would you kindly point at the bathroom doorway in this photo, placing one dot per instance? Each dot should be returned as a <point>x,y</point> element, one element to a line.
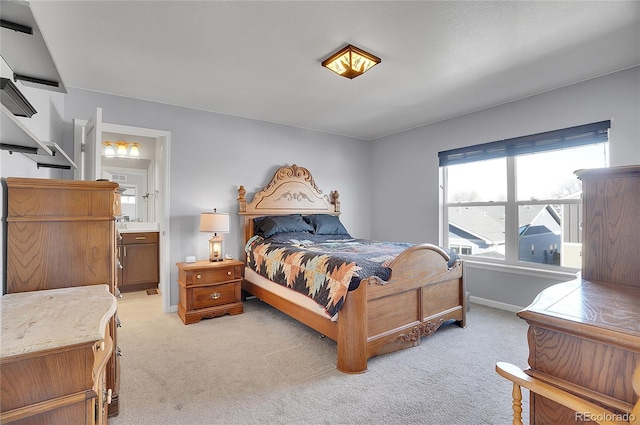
<point>146,178</point>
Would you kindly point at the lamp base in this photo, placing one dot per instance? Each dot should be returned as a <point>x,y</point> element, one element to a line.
<point>215,248</point>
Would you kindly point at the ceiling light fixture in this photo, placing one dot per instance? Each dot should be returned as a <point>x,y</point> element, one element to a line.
<point>351,62</point>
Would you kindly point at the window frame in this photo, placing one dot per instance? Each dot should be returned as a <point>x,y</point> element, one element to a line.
<point>511,208</point>
<point>512,204</point>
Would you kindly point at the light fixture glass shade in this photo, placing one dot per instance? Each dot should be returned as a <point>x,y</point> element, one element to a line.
<point>217,223</point>
<point>121,148</point>
<point>134,150</point>
<point>109,150</point>
<point>351,62</point>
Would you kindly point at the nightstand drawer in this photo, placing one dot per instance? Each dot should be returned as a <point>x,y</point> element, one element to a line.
<point>211,296</point>
<point>221,274</point>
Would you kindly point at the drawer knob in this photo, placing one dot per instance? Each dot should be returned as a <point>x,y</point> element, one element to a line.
<point>198,276</point>
<point>229,273</point>
<point>215,295</point>
<point>109,396</point>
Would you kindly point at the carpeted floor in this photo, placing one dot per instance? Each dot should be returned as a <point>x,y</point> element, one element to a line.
<point>261,367</point>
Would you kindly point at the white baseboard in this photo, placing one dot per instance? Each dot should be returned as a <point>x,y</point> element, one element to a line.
<point>495,304</point>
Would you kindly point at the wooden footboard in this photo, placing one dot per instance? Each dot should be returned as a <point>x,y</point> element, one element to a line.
<point>380,317</point>
<point>384,316</point>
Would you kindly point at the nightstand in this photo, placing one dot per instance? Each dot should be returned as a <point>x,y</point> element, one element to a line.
<point>209,289</point>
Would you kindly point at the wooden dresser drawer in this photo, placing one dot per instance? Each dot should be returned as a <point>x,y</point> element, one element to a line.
<point>211,296</point>
<point>221,274</point>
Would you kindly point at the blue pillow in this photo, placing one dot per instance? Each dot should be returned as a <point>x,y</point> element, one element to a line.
<point>324,224</point>
<point>274,224</point>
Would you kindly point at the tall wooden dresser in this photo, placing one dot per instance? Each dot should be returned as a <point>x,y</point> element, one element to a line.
<point>62,233</point>
<point>584,335</point>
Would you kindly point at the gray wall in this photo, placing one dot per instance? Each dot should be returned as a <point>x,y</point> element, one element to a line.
<point>388,187</point>
<point>406,179</point>
<point>212,154</point>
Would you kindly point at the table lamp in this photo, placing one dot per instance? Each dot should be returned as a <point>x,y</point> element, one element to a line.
<point>217,223</point>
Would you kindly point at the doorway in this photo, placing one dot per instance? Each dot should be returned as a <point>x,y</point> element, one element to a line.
<point>153,194</point>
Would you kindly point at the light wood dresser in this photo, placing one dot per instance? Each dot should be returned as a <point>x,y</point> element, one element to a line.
<point>209,289</point>
<point>584,335</point>
<point>54,349</point>
<point>62,233</point>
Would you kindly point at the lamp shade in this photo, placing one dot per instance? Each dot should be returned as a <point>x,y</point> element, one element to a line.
<point>214,222</point>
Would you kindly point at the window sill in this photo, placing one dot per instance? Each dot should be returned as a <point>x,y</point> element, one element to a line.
<point>560,274</point>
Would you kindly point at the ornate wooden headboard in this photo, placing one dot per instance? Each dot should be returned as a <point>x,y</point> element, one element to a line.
<point>291,191</point>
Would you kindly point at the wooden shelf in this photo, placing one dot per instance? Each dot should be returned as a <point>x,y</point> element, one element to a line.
<point>27,53</point>
<point>16,134</point>
<point>58,158</point>
<point>16,137</point>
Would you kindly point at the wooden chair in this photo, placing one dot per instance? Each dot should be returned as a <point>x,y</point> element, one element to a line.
<point>594,412</point>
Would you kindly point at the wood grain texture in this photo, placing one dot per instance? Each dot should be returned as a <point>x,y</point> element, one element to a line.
<point>59,254</point>
<point>62,233</point>
<point>378,317</point>
<point>584,335</point>
<point>209,289</point>
<point>139,256</point>
<point>611,226</point>
<point>61,385</point>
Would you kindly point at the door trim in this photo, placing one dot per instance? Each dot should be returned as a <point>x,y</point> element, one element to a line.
<point>162,160</point>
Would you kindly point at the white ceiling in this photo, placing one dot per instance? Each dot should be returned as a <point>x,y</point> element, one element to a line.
<point>261,59</point>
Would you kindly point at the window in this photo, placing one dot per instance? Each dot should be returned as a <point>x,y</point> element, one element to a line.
<point>517,201</point>
<point>128,201</point>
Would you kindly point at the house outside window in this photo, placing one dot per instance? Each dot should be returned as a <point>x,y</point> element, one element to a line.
<point>518,201</point>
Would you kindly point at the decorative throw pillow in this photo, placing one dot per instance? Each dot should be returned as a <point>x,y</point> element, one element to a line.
<point>274,224</point>
<point>324,224</point>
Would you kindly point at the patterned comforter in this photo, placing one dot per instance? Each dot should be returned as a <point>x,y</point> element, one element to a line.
<point>322,267</point>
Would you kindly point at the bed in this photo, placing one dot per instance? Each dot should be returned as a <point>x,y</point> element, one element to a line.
<point>423,288</point>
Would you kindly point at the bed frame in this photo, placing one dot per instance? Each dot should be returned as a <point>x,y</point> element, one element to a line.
<point>380,316</point>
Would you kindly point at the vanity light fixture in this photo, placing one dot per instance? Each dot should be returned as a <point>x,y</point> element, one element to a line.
<point>351,62</point>
<point>121,149</point>
<point>217,223</point>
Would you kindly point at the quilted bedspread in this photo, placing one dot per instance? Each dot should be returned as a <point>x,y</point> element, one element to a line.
<point>322,267</point>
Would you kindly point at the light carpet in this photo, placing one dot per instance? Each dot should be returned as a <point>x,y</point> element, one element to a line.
<point>262,367</point>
